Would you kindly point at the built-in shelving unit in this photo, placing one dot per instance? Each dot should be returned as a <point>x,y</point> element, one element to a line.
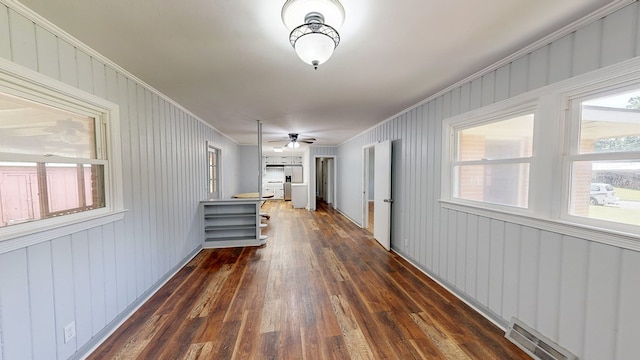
<point>232,223</point>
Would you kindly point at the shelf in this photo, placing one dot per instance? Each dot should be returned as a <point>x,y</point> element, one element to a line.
<point>227,215</point>
<point>231,223</point>
<point>231,238</point>
<point>229,227</point>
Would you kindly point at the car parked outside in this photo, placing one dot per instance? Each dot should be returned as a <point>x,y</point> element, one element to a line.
<point>602,194</point>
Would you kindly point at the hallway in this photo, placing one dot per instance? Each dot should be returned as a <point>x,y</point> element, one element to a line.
<point>321,288</point>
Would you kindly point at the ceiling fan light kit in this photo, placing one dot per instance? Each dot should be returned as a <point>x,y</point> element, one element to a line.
<point>313,25</point>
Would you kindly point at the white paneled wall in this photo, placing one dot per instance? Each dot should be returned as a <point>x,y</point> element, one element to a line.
<point>582,294</point>
<point>94,277</point>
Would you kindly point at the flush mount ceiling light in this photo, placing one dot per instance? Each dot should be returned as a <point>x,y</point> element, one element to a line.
<point>313,25</point>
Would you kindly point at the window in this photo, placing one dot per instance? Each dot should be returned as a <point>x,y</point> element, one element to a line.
<point>50,163</point>
<point>491,160</point>
<point>57,159</point>
<point>214,172</point>
<point>604,157</point>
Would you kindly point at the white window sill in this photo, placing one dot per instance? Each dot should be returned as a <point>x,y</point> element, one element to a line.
<point>619,239</point>
<point>34,232</point>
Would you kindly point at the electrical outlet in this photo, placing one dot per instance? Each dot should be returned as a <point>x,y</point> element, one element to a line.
<point>406,242</point>
<point>69,331</point>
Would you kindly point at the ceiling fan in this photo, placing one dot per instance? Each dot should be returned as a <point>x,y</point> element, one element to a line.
<point>294,140</point>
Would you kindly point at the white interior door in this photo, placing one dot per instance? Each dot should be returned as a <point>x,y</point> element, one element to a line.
<point>382,194</point>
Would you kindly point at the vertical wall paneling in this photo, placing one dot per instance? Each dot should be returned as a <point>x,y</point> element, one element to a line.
<point>110,275</point>
<point>484,254</point>
<point>460,262</point>
<point>434,176</point>
<point>68,63</point>
<point>519,76</point>
<point>85,71</point>
<point>98,71</point>
<point>47,48</point>
<point>475,94</point>
<point>496,266</point>
<point>145,182</point>
<point>23,40</point>
<point>452,245</point>
<point>561,56</point>
<point>414,235</point>
<point>488,88</point>
<point>63,292</point>
<point>528,282</point>
<point>15,305</point>
<point>512,244</point>
<point>602,301</point>
<point>573,294</point>
<point>471,260</point>
<point>548,297</point>
<point>97,278</point>
<point>455,101</point>
<point>538,68</point>
<point>156,202</point>
<point>82,285</point>
<point>423,185</point>
<point>41,301</point>
<point>465,97</point>
<point>5,46</point>
<point>619,36</point>
<point>628,316</point>
<point>587,51</point>
<point>503,82</point>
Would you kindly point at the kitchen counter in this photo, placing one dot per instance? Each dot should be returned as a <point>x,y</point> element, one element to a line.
<point>299,195</point>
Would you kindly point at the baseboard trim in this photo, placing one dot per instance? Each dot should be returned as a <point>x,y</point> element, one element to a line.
<point>88,348</point>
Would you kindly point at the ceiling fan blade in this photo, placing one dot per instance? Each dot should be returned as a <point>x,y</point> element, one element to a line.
<point>280,141</point>
<point>305,141</point>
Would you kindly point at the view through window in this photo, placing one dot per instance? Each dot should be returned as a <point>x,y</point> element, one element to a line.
<point>49,162</point>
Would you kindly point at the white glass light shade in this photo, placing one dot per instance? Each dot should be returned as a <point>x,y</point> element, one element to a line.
<point>314,48</point>
<point>294,12</point>
<point>293,145</point>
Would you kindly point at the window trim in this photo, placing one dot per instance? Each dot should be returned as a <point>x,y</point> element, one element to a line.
<point>553,106</point>
<point>25,83</point>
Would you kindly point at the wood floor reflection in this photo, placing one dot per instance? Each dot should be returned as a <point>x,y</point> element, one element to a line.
<point>322,288</point>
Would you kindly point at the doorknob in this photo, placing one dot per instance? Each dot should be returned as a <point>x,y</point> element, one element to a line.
<point>388,200</point>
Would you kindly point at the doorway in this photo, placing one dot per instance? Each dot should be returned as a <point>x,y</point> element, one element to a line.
<point>369,187</point>
<point>325,180</point>
<point>376,199</point>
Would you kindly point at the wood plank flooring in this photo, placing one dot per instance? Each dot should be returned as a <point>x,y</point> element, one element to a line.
<point>321,288</point>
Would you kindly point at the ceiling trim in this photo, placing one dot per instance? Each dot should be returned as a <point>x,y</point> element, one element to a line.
<point>23,10</point>
<point>604,11</point>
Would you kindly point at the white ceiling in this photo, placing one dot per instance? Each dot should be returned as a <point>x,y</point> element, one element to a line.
<point>230,61</point>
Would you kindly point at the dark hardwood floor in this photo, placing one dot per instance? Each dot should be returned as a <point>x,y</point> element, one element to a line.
<point>321,288</point>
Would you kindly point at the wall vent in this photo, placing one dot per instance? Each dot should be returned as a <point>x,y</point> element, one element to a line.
<point>534,343</point>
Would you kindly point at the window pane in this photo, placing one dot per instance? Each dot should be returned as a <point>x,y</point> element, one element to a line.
<point>504,184</point>
<point>19,195</point>
<point>31,128</point>
<point>611,123</point>
<point>506,139</point>
<point>606,190</point>
<point>32,191</point>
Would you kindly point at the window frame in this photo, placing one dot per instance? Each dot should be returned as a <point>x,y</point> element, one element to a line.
<point>212,148</point>
<point>573,101</point>
<point>487,115</point>
<point>32,86</point>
